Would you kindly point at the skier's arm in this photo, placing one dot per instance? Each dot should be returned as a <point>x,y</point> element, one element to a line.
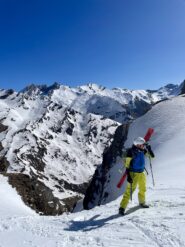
<point>128,159</point>
<point>127,162</point>
<point>127,165</point>
<point>148,151</point>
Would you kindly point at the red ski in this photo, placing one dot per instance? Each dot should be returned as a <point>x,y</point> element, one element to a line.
<point>147,137</point>
<point>121,181</point>
<point>149,134</point>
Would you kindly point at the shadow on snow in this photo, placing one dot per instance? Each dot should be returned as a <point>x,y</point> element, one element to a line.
<point>92,223</point>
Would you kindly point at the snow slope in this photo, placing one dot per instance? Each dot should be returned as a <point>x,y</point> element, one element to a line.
<point>161,225</point>
<point>11,203</point>
<point>168,120</point>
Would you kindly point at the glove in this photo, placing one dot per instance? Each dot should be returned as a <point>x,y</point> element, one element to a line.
<point>149,149</point>
<point>129,178</point>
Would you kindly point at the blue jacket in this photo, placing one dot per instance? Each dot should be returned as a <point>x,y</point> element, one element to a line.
<point>137,163</point>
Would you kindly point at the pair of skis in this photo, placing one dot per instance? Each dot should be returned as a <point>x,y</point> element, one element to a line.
<point>147,138</point>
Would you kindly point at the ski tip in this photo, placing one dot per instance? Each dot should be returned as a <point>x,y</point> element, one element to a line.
<point>149,133</point>
<point>150,130</point>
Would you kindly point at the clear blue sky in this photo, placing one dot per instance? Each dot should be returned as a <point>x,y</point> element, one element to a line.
<point>116,43</point>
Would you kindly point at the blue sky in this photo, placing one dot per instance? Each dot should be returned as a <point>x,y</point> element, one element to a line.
<point>136,44</point>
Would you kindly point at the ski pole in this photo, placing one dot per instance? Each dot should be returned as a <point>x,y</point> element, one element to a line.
<point>152,171</point>
<point>146,171</point>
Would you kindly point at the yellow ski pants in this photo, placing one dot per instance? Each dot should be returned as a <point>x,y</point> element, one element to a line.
<point>140,180</point>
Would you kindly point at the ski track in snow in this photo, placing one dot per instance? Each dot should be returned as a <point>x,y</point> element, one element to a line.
<point>160,225</point>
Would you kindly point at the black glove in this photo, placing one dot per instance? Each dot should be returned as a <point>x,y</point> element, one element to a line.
<point>129,178</point>
<point>149,149</point>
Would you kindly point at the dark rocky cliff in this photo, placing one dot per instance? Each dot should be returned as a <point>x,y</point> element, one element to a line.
<point>95,192</point>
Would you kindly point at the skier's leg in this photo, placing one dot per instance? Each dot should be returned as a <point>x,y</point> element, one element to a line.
<point>142,187</point>
<point>126,195</point>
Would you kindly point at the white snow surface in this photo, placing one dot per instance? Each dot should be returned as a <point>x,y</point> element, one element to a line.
<point>11,203</point>
<point>161,225</point>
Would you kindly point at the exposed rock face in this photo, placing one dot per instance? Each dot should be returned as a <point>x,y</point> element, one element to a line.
<point>95,192</point>
<point>37,196</point>
<point>1,147</point>
<point>4,164</point>
<point>139,108</point>
<point>183,87</point>
<point>6,94</point>
<point>3,127</point>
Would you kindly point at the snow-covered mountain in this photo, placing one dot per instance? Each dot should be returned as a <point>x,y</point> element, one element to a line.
<point>161,225</point>
<point>53,138</point>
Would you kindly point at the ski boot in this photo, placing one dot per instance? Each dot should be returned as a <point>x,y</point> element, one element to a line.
<point>143,205</point>
<point>122,211</point>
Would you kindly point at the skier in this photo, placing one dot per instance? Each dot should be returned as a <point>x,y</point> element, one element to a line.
<point>135,166</point>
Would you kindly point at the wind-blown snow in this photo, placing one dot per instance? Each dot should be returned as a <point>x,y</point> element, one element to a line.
<point>161,225</point>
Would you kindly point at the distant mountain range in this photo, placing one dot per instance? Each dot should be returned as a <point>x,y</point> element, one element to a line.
<point>52,138</point>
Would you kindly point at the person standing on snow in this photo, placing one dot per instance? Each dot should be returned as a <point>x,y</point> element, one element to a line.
<point>135,166</point>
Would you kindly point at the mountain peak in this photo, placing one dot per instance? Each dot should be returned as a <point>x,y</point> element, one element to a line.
<point>170,89</point>
<point>34,89</point>
<point>92,87</point>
